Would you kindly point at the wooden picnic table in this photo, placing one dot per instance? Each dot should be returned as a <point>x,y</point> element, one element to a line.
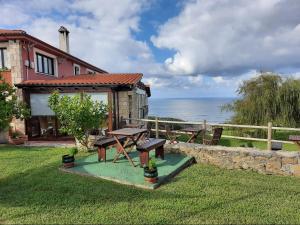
<point>131,134</point>
<point>194,133</point>
<point>295,139</point>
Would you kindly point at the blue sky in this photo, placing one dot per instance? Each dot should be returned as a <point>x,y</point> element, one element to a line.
<point>184,48</point>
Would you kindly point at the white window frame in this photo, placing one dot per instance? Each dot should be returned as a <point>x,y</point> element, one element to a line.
<point>35,51</point>
<point>74,66</point>
<point>3,58</point>
<point>90,71</point>
<point>7,56</point>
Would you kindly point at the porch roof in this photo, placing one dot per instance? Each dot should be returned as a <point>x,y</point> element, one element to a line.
<point>99,79</point>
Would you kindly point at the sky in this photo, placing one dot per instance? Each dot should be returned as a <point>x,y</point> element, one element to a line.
<point>184,48</point>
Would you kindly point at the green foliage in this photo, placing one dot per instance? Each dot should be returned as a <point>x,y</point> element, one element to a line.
<point>3,69</point>
<point>267,98</point>
<point>9,105</point>
<point>152,164</point>
<point>78,115</point>
<point>16,134</point>
<point>73,151</point>
<point>247,145</point>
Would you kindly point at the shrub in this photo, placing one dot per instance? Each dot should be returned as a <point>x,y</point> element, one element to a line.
<point>79,115</point>
<point>10,107</point>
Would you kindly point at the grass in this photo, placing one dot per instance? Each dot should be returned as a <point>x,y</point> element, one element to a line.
<point>33,190</point>
<point>229,142</point>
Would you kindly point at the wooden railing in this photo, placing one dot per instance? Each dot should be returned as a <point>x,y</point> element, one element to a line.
<point>204,124</point>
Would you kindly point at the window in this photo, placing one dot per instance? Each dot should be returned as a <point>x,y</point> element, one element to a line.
<point>3,58</point>
<point>76,69</point>
<point>45,64</point>
<point>88,71</point>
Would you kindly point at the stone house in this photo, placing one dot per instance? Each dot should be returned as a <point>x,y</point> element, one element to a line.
<point>37,69</point>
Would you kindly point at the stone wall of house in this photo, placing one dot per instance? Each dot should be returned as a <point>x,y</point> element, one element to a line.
<point>266,162</point>
<point>14,52</point>
<point>4,137</point>
<point>123,104</point>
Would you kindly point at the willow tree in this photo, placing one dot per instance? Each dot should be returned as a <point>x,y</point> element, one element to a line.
<point>288,100</point>
<point>267,98</point>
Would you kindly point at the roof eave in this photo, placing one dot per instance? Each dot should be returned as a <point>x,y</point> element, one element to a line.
<point>28,37</point>
<point>71,85</point>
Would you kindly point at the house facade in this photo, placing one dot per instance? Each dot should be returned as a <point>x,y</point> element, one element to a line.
<point>37,69</point>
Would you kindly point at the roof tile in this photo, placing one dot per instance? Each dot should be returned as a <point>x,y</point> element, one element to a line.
<point>9,32</point>
<point>87,79</point>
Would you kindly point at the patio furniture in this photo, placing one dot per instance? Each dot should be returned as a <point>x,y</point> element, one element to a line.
<point>194,133</point>
<point>276,146</point>
<point>215,138</point>
<point>173,137</point>
<point>147,146</point>
<point>132,135</point>
<point>103,143</point>
<point>295,139</point>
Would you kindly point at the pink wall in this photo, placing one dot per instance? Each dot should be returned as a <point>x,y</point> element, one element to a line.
<point>6,76</point>
<point>65,68</point>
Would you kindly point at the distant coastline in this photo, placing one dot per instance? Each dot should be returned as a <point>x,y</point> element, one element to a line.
<point>191,109</point>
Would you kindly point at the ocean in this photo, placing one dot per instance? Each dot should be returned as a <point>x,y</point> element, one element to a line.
<point>191,109</point>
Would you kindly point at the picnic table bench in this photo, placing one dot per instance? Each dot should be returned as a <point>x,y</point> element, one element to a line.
<point>148,145</point>
<point>105,142</point>
<point>295,139</point>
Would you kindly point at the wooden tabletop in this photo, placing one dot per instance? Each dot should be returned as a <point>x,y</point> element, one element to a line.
<point>192,129</point>
<point>128,131</point>
<point>294,137</point>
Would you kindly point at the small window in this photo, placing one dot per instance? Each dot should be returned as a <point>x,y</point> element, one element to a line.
<point>3,58</point>
<point>88,71</point>
<point>76,69</point>
<point>45,64</point>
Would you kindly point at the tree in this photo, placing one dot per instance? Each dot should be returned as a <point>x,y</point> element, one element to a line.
<point>10,107</point>
<point>267,98</point>
<point>78,115</point>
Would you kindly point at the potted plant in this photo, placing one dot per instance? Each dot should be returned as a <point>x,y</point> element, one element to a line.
<point>150,171</point>
<point>17,138</point>
<point>68,160</point>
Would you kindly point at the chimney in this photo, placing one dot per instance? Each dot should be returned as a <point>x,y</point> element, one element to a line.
<point>64,39</point>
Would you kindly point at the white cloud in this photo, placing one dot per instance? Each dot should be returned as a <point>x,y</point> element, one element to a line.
<point>217,44</point>
<point>101,31</point>
<point>196,80</point>
<point>12,15</point>
<point>231,37</point>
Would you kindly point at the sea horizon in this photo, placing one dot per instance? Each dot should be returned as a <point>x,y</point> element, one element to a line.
<point>210,97</point>
<point>191,109</point>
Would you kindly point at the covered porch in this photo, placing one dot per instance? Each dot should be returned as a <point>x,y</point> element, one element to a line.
<point>43,124</point>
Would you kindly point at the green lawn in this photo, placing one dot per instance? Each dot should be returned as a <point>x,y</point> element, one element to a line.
<point>33,190</point>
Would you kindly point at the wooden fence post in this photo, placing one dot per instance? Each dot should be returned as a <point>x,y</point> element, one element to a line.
<point>204,130</point>
<point>270,136</point>
<point>156,128</point>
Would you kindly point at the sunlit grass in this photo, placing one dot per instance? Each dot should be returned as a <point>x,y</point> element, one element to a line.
<point>33,190</point>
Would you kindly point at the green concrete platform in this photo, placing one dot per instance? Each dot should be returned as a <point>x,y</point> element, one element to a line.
<point>123,172</point>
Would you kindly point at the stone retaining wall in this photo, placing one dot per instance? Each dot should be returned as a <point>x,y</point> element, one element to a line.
<point>266,162</point>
